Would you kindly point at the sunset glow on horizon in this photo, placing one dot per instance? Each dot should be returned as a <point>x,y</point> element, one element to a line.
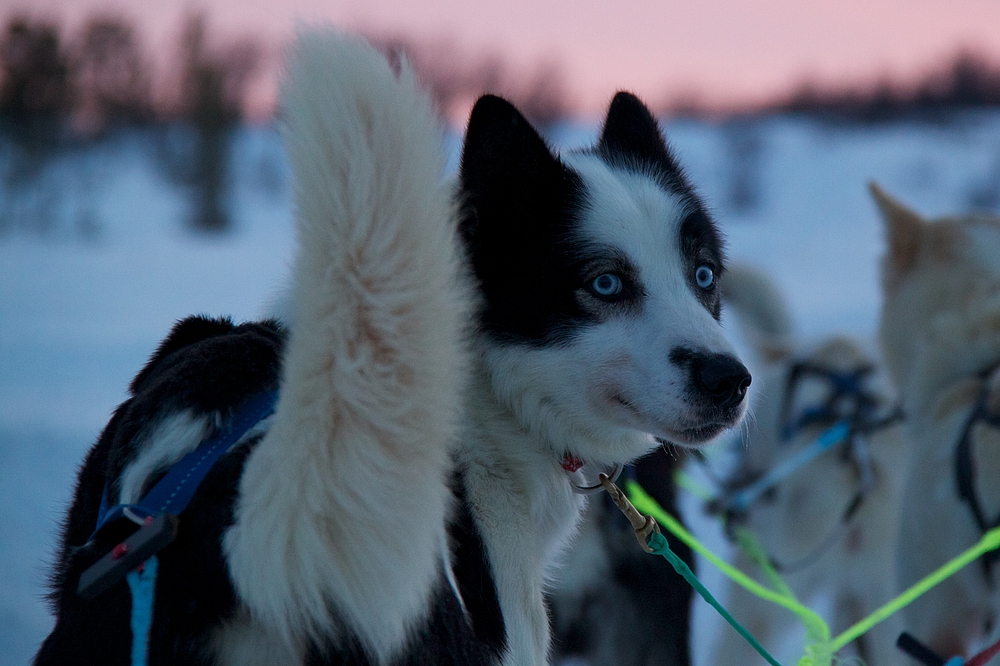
<point>714,52</point>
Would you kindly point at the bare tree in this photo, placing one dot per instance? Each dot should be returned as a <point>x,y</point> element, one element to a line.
<point>111,75</point>
<point>35,71</point>
<point>35,94</point>
<point>212,94</point>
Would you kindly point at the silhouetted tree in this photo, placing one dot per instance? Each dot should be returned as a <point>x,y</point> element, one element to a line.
<point>35,72</point>
<point>112,77</point>
<point>213,90</point>
<point>35,94</point>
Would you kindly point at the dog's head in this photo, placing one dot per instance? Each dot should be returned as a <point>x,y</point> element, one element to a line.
<point>599,274</point>
<point>941,295</point>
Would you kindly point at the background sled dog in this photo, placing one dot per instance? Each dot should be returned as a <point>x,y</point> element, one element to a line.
<point>365,522</point>
<point>940,332</point>
<point>830,526</point>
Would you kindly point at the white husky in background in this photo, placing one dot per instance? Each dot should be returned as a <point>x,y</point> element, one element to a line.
<point>940,334</point>
<point>407,500</point>
<point>829,527</point>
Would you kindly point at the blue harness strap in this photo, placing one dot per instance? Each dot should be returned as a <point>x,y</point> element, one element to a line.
<point>173,492</point>
<point>142,584</point>
<point>741,500</point>
<point>135,558</point>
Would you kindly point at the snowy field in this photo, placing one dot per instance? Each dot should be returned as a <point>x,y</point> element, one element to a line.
<point>83,304</point>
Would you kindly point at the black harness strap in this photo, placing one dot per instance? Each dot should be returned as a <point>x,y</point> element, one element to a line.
<point>965,474</point>
<point>911,646</point>
<point>850,401</point>
<point>848,387</point>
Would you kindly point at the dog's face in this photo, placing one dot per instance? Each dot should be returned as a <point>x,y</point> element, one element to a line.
<point>941,294</point>
<point>599,276</point>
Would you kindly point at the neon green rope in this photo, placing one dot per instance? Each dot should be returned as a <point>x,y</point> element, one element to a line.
<point>820,648</point>
<point>749,544</point>
<point>816,628</point>
<point>989,541</point>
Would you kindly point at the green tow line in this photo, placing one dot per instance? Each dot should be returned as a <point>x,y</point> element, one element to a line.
<point>820,647</point>
<point>658,546</point>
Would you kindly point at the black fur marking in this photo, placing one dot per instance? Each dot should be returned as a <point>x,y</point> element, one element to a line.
<point>184,334</point>
<point>632,294</point>
<point>212,367</point>
<point>701,243</point>
<point>201,372</point>
<point>521,215</point>
<point>631,140</point>
<point>446,637</point>
<point>443,639</point>
<point>521,205</point>
<point>474,575</point>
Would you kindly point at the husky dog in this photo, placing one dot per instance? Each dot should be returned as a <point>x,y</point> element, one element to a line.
<point>406,501</point>
<point>829,526</point>
<point>940,334</point>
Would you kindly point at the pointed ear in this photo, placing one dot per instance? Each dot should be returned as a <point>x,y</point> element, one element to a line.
<point>904,230</point>
<point>631,135</point>
<point>503,154</point>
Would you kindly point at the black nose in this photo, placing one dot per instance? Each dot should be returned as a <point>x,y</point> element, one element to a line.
<point>720,378</point>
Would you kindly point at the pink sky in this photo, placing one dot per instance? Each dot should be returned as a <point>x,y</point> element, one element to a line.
<point>722,51</point>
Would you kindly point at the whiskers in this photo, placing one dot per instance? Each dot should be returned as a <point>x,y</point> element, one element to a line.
<point>749,421</point>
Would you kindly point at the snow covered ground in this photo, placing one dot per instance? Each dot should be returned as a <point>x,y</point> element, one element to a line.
<point>84,304</point>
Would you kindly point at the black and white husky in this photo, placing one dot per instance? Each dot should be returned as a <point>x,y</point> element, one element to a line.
<point>407,499</point>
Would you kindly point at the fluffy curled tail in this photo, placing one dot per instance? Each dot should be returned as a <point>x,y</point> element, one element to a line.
<point>341,511</point>
<point>760,310</point>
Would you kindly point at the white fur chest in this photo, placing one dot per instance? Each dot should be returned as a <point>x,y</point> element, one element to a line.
<point>527,513</point>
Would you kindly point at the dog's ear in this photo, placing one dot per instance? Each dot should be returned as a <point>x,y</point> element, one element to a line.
<point>503,155</point>
<point>517,202</point>
<point>631,137</point>
<point>511,181</point>
<point>904,231</point>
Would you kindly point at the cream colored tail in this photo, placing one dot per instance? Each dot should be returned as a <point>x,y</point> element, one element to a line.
<point>342,505</point>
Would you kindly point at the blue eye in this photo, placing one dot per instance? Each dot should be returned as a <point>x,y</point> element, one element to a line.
<point>704,276</point>
<point>606,285</point>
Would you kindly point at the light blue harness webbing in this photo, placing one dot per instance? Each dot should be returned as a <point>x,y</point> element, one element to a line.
<point>742,500</point>
<point>142,584</point>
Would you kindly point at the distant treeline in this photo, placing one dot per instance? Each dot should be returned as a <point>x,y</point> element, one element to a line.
<point>102,74</point>
<point>968,81</point>
<point>64,91</point>
<point>61,92</point>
